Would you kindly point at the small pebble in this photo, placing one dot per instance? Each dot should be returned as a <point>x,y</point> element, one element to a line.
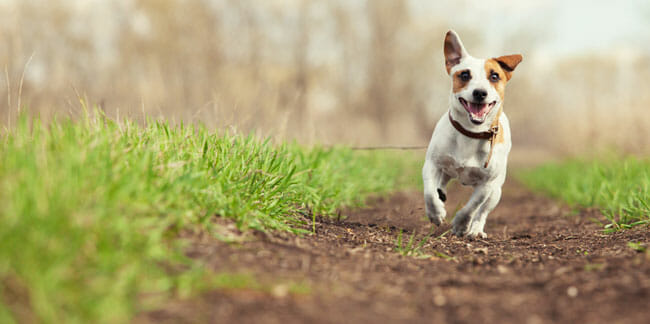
<point>280,291</point>
<point>572,291</point>
<point>439,300</point>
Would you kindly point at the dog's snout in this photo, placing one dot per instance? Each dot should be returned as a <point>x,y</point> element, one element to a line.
<point>479,94</point>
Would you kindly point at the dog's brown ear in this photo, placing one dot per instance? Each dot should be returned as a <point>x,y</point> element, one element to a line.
<point>454,50</point>
<point>508,63</point>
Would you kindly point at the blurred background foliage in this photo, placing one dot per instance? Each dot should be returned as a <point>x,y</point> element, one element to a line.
<point>357,72</point>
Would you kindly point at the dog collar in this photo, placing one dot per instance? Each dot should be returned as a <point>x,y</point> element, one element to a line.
<point>490,135</point>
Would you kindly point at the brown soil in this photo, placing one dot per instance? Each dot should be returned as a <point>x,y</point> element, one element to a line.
<point>540,264</point>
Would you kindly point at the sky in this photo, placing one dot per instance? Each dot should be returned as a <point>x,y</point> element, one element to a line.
<point>560,27</point>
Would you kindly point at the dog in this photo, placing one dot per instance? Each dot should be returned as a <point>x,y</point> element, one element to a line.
<point>471,141</point>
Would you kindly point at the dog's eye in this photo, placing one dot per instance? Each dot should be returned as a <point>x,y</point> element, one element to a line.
<point>494,77</point>
<point>465,76</point>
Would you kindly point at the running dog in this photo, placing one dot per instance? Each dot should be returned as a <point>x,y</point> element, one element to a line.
<point>471,141</point>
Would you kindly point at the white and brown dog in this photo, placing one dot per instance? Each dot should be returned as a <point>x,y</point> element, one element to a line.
<point>471,141</point>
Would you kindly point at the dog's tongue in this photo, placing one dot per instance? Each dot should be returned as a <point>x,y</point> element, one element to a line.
<point>477,109</point>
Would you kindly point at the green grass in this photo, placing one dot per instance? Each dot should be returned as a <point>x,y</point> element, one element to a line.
<point>620,188</point>
<point>636,246</point>
<point>92,210</point>
<point>411,247</point>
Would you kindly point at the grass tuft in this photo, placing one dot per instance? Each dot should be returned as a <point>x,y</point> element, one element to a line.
<point>411,248</point>
<point>620,188</point>
<point>92,210</point>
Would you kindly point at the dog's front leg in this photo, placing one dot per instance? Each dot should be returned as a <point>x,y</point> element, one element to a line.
<point>435,182</point>
<point>465,216</point>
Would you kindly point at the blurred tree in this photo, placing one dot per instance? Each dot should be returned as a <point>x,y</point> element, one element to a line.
<point>301,58</point>
<point>344,30</point>
<point>176,63</point>
<point>386,19</point>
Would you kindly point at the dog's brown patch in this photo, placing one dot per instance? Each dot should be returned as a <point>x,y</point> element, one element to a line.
<point>458,83</point>
<point>508,63</point>
<point>503,66</point>
<point>500,138</point>
<point>492,66</point>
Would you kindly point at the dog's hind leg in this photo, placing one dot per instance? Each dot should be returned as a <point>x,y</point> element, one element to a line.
<point>435,183</point>
<point>465,216</point>
<point>478,221</point>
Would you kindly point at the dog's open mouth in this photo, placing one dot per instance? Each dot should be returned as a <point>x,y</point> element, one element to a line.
<point>477,111</point>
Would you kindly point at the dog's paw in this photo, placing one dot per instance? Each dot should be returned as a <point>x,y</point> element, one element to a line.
<point>458,231</point>
<point>477,235</point>
<point>436,218</point>
<point>435,214</point>
<point>460,225</point>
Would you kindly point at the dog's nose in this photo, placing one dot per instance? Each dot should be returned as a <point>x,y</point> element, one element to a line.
<point>479,94</point>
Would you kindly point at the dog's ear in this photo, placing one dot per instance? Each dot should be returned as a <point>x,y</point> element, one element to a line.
<point>508,63</point>
<point>454,50</point>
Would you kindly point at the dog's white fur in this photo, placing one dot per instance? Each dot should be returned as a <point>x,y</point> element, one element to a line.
<point>453,155</point>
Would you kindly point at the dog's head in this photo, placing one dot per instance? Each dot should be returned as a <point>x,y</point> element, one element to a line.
<point>478,85</point>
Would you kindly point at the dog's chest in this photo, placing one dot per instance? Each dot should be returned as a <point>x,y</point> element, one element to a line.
<point>465,171</point>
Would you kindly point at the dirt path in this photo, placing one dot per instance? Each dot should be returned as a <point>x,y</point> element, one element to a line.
<point>539,265</point>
